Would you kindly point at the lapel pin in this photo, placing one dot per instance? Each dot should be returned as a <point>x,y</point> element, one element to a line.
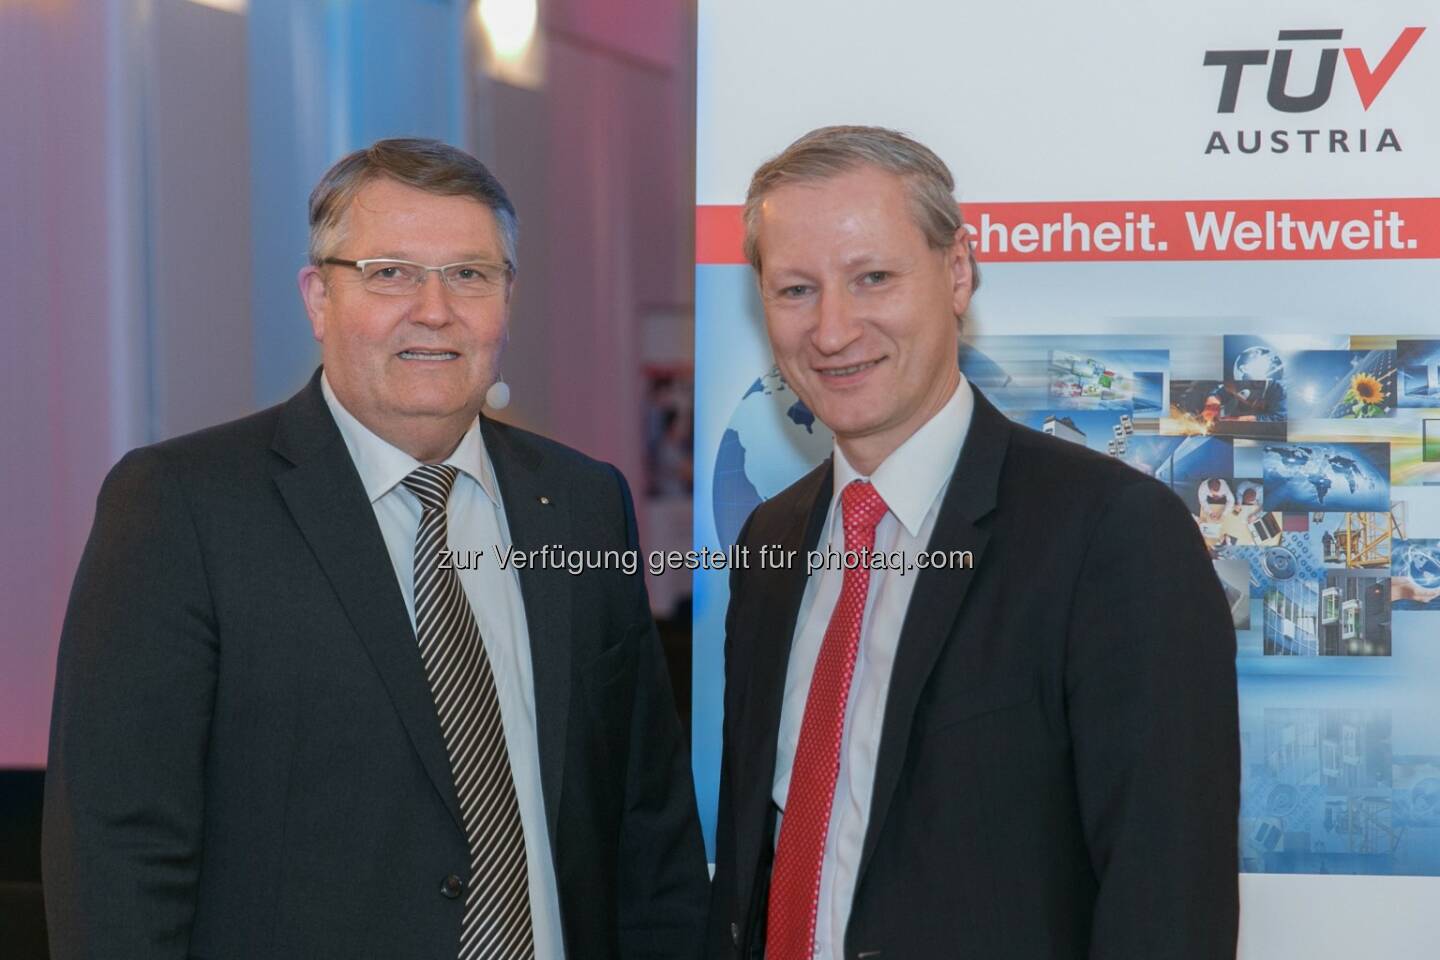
<point>544,501</point>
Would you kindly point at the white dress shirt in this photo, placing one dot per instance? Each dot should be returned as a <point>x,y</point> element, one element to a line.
<point>476,521</point>
<point>912,481</point>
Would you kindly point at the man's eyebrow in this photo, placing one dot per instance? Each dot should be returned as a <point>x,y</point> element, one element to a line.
<point>786,274</point>
<point>872,259</point>
<point>465,257</point>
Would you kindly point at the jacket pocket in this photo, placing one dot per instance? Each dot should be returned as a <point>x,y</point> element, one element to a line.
<point>614,661</point>
<point>978,701</point>
<point>607,686</point>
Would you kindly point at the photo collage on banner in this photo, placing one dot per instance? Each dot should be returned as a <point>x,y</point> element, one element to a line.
<point>1296,459</point>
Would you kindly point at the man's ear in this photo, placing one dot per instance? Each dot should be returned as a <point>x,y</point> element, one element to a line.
<point>962,274</point>
<point>316,297</point>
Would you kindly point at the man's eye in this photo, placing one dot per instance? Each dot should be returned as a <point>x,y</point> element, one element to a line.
<point>387,273</point>
<point>874,277</point>
<point>794,292</point>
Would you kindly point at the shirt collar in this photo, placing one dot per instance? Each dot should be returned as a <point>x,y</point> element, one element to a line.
<point>914,475</point>
<point>382,466</point>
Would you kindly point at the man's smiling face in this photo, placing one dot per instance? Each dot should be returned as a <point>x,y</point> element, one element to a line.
<point>409,365</point>
<point>861,310</point>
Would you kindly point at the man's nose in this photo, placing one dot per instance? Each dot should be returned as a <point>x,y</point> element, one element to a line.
<point>432,301</point>
<point>837,324</point>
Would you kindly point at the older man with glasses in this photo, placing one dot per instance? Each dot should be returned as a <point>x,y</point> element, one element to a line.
<point>286,726</point>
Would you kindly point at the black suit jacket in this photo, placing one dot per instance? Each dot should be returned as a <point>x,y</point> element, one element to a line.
<point>245,759</point>
<point>1058,773</point>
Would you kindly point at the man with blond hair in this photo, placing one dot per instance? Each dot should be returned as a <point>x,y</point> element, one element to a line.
<point>286,725</point>
<point>1025,747</point>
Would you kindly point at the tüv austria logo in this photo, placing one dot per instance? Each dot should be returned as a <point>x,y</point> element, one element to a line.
<point>1310,103</point>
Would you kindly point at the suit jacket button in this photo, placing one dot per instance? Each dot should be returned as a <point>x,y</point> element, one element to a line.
<point>735,934</point>
<point>451,887</point>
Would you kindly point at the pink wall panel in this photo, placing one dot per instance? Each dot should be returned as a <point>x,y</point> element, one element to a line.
<point>54,372</point>
<point>644,29</point>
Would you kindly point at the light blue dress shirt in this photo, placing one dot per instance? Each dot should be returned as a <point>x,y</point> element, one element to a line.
<point>476,521</point>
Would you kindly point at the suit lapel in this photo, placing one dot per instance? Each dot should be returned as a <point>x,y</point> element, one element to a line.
<point>936,602</point>
<point>325,495</point>
<point>536,523</point>
<point>772,623</point>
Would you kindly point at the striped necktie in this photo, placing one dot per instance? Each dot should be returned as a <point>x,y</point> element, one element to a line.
<point>496,923</point>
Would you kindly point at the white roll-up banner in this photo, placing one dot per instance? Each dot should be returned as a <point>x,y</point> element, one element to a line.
<point>1210,242</point>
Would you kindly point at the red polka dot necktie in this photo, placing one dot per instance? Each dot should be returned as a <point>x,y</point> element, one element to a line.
<point>795,878</point>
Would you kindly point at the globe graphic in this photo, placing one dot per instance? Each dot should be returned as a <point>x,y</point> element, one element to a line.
<point>1322,476</point>
<point>1422,565</point>
<point>1258,363</point>
<point>771,440</point>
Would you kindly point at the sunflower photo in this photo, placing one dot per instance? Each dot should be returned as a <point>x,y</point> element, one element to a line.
<point>1341,384</point>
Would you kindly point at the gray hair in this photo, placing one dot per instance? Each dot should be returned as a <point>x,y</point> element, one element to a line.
<point>831,151</point>
<point>428,165</point>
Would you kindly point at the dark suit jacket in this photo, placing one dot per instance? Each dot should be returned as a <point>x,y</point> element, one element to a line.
<point>245,759</point>
<point>1058,773</point>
